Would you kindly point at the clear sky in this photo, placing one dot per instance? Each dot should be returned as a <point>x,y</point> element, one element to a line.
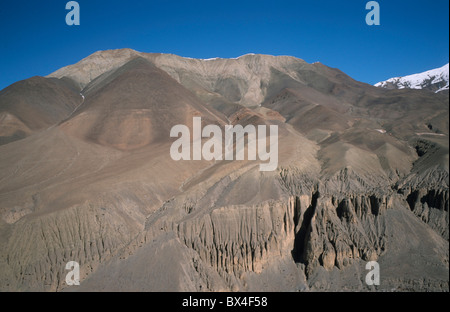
<point>413,35</point>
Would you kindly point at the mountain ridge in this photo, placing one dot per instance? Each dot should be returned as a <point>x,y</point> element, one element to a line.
<point>436,80</point>
<point>362,175</point>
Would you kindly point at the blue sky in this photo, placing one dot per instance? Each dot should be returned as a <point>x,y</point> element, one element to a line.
<point>413,35</point>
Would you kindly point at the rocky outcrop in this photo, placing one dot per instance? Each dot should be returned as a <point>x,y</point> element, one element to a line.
<point>240,238</point>
<point>39,248</point>
<point>341,230</point>
<point>431,206</point>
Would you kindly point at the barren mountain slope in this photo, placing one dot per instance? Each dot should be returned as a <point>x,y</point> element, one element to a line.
<point>362,175</point>
<point>34,104</point>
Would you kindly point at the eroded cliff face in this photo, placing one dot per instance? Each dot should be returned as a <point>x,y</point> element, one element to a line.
<point>35,256</point>
<point>308,237</point>
<point>431,206</point>
<point>308,241</point>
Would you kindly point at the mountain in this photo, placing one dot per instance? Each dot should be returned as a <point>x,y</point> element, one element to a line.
<point>435,80</point>
<point>362,175</point>
<point>35,104</point>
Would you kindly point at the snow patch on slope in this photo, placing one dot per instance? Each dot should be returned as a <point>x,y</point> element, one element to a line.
<point>438,77</point>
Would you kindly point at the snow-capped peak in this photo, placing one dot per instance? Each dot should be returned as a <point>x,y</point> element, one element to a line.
<point>436,80</point>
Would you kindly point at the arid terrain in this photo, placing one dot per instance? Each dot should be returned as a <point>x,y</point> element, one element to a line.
<point>86,176</point>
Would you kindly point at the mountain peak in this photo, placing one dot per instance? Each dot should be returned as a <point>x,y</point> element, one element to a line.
<point>94,65</point>
<point>435,80</point>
